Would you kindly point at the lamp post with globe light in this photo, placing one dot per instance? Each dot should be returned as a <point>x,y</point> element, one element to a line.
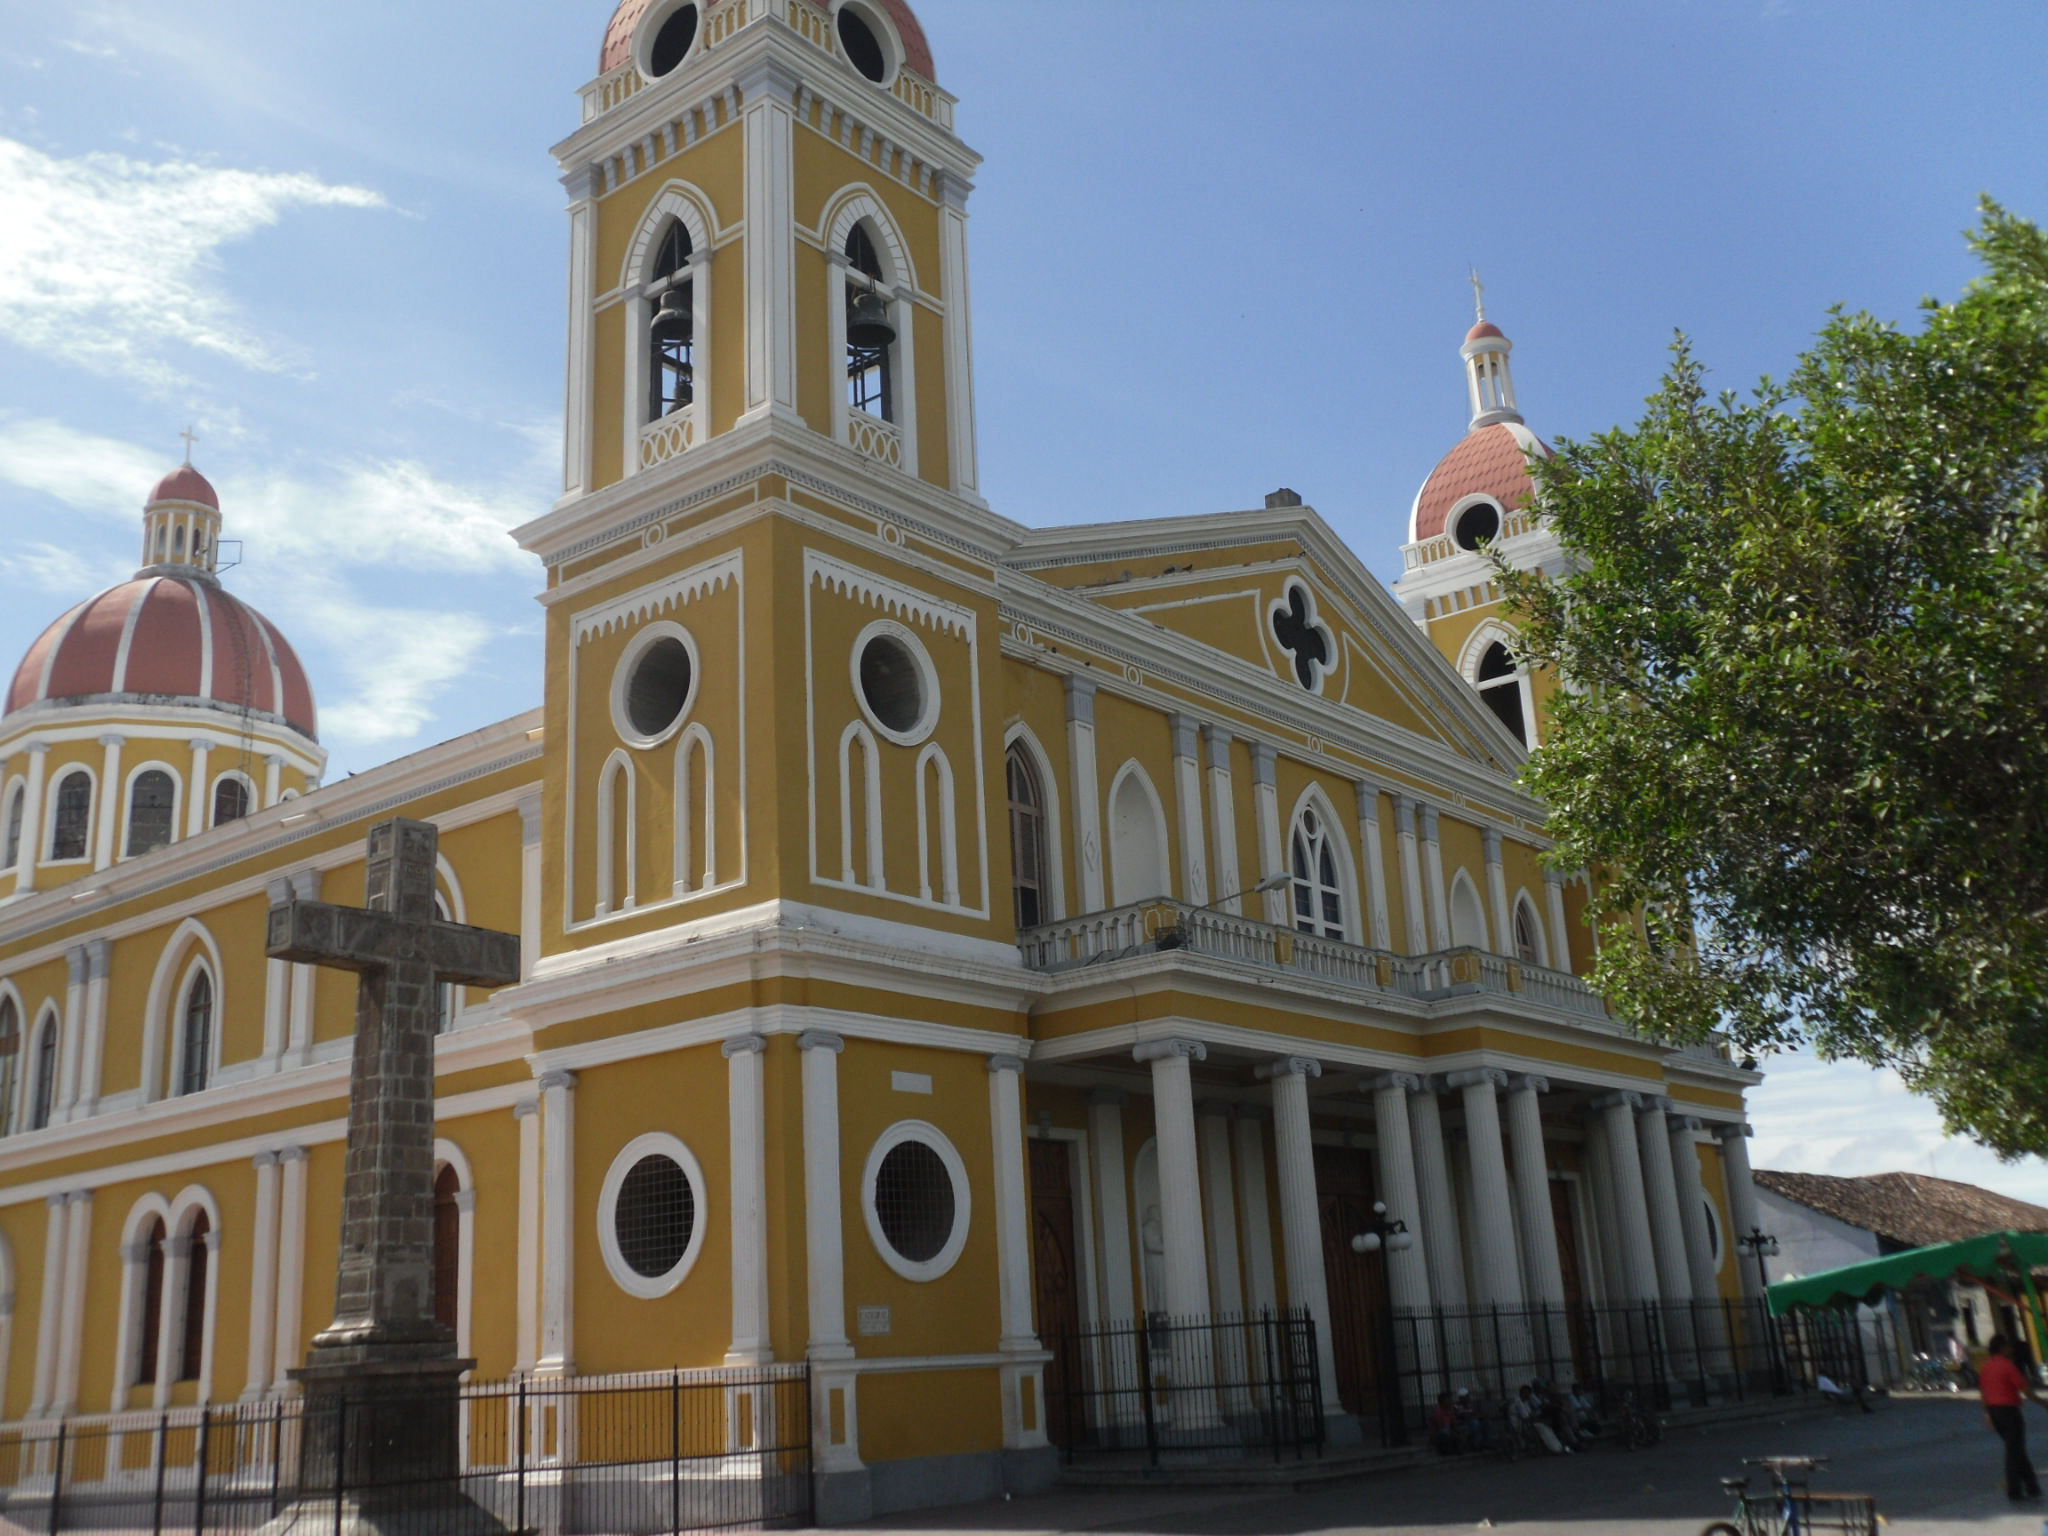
<point>1388,1236</point>
<point>1764,1246</point>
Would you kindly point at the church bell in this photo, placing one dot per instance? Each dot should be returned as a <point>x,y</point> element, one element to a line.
<point>867,321</point>
<point>673,319</point>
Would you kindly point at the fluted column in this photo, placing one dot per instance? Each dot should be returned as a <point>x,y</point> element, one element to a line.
<point>1180,1188</point>
<point>526,1250</point>
<point>1433,1189</point>
<point>1660,1198</point>
<point>1699,1247</point>
<point>1560,934</point>
<point>1085,801</point>
<point>746,1114</point>
<point>1407,1270</point>
<point>1498,1279</point>
<point>1266,807</point>
<point>263,1279</point>
<point>289,1348</point>
<point>108,818</point>
<point>1223,821</point>
<point>1741,1184</point>
<point>1411,874</point>
<point>824,1244</point>
<point>1112,1204</point>
<point>1497,895</point>
<point>1187,801</point>
<point>1433,879</point>
<point>1226,1287</point>
<point>1631,1214</point>
<point>1301,1218</point>
<point>1255,1216</point>
<point>1378,932</point>
<point>558,1226</point>
<point>33,849</point>
<point>1541,1268</point>
<point>1599,1182</point>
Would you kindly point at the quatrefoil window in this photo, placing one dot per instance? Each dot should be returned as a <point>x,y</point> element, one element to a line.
<point>1304,637</point>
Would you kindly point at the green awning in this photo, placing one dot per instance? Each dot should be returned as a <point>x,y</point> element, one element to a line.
<point>1984,1258</point>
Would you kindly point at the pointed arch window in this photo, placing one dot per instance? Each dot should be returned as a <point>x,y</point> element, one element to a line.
<point>672,353</point>
<point>1027,839</point>
<point>230,801</point>
<point>192,1345</point>
<point>1500,689</point>
<point>10,1062</point>
<point>1318,895</point>
<point>870,339</point>
<point>73,825</point>
<point>152,802</point>
<point>15,804</point>
<point>1528,946</point>
<point>195,1052</point>
<point>152,1303</point>
<point>447,1246</point>
<point>43,1098</point>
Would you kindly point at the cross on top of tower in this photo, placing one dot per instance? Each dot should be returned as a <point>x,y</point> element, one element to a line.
<point>1478,294</point>
<point>191,438</point>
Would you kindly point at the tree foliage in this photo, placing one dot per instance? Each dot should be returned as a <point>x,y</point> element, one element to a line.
<point>1803,737</point>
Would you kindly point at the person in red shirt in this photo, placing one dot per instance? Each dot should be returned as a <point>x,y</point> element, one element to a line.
<point>2003,1384</point>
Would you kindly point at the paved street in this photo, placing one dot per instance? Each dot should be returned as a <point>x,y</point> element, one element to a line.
<point>1932,1464</point>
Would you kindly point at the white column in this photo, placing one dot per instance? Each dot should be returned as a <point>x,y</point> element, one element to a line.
<point>1223,821</point>
<point>526,1259</point>
<point>746,1121</point>
<point>305,984</point>
<point>1112,1204</point>
<point>1262,1288</point>
<point>1542,1271</point>
<point>32,846</point>
<point>273,780</point>
<point>1433,880</point>
<point>1180,1196</point>
<point>50,1308</point>
<point>1699,1249</point>
<point>1660,1199</point>
<point>77,1276</point>
<point>1187,798</point>
<point>1411,876</point>
<point>108,819</point>
<point>291,1265</point>
<point>529,884</point>
<point>1408,1269</point>
<point>824,1251</point>
<point>1226,1287</point>
<point>1301,1217</point>
<point>769,90</point>
<point>277,990</point>
<point>1086,800</point>
<point>1023,1386</point>
<point>1493,1217</point>
<point>196,797</point>
<point>954,290</point>
<point>1497,893</point>
<point>1560,934</point>
<point>581,184</point>
<point>99,961</point>
<point>1433,1189</point>
<point>263,1280</point>
<point>1638,1260</point>
<point>1380,933</point>
<point>1741,1185</point>
<point>70,1029</point>
<point>1598,1206</point>
<point>558,1225</point>
<point>1266,806</point>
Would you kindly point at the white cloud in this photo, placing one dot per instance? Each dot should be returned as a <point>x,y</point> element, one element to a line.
<point>396,660</point>
<point>103,258</point>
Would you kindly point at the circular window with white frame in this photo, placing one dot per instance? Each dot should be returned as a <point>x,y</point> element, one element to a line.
<point>650,1215</point>
<point>665,36</point>
<point>655,684</point>
<point>1476,524</point>
<point>896,683</point>
<point>915,1197</point>
<point>868,41</point>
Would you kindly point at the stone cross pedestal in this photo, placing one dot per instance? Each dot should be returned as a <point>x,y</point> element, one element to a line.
<point>379,1448</point>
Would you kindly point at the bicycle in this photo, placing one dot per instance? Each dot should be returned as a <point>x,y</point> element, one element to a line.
<point>1790,1508</point>
<point>1927,1374</point>
<point>1637,1427</point>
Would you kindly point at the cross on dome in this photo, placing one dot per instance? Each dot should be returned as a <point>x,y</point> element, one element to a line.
<point>191,439</point>
<point>1478,294</point>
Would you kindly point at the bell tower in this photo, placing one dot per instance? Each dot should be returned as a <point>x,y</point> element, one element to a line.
<point>768,211</point>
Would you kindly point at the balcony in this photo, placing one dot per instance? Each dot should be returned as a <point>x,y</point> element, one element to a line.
<point>1156,927</point>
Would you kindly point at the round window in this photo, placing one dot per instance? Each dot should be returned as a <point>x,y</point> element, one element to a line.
<point>655,685</point>
<point>917,1200</point>
<point>1477,524</point>
<point>862,47</point>
<point>672,42</point>
<point>897,685</point>
<point>651,1215</point>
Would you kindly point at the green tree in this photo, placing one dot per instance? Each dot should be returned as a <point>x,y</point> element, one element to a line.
<point>1803,737</point>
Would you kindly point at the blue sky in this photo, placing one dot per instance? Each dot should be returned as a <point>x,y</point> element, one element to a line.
<point>1217,248</point>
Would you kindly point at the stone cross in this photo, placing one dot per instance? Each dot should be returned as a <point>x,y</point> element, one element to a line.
<point>404,953</point>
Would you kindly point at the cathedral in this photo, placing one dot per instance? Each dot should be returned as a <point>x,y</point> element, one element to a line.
<point>942,939</point>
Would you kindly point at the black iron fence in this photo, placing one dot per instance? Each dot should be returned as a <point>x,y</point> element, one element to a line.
<point>1667,1355</point>
<point>684,1451</point>
<point>1183,1389</point>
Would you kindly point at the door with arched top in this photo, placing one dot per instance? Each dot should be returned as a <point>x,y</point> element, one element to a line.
<point>447,1247</point>
<point>1055,1272</point>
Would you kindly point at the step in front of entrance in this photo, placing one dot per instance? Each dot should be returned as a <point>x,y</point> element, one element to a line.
<point>1331,1466</point>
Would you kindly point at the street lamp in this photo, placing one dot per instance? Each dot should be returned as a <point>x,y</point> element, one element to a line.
<point>1176,936</point>
<point>1765,1246</point>
<point>1394,1237</point>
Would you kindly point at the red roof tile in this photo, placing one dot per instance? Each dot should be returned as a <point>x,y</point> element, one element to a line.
<point>1492,460</point>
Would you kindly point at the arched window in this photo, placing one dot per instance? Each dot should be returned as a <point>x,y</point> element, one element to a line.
<point>192,1348</point>
<point>74,816</point>
<point>230,801</point>
<point>1528,935</point>
<point>10,1062</point>
<point>447,1246</point>
<point>152,799</point>
<point>672,349</point>
<point>1137,841</point>
<point>1027,840</point>
<point>15,802</point>
<point>1318,897</point>
<point>1500,687</point>
<point>152,1303</point>
<point>870,338</point>
<point>195,1051</point>
<point>1468,917</point>
<point>43,1097</point>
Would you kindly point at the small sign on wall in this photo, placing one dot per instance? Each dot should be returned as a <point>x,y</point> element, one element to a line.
<point>911,1082</point>
<point>873,1321</point>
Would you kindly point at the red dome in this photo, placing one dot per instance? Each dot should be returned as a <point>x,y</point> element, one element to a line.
<point>168,640</point>
<point>1493,461</point>
<point>184,484</point>
<point>618,37</point>
<point>1484,329</point>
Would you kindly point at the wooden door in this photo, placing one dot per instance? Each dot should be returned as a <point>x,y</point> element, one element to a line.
<point>1357,1281</point>
<point>1567,1230</point>
<point>1055,1272</point>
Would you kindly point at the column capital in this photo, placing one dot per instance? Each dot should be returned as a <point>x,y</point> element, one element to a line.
<point>1658,1103</point>
<point>768,77</point>
<point>99,954</point>
<point>744,1045</point>
<point>1368,798</point>
<point>1621,1097</point>
<point>1534,1081</point>
<point>57,1201</point>
<point>1288,1066</point>
<point>80,1197</point>
<point>265,1159</point>
<point>1429,828</point>
<point>1733,1129</point>
<point>1185,729</point>
<point>820,1040</point>
<point>1489,838</point>
<point>1407,1082</point>
<point>1263,759</point>
<point>1404,814</point>
<point>524,1108</point>
<point>1552,877</point>
<point>1472,1077</point>
<point>1687,1123</point>
<point>1006,1064</point>
<point>37,748</point>
<point>1109,1098</point>
<point>78,962</point>
<point>306,884</point>
<point>529,820</point>
<point>113,739</point>
<point>559,1078</point>
<point>293,1154</point>
<point>279,891</point>
<point>200,744</point>
<point>1156,1050</point>
<point>1219,746</point>
<point>1080,699</point>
